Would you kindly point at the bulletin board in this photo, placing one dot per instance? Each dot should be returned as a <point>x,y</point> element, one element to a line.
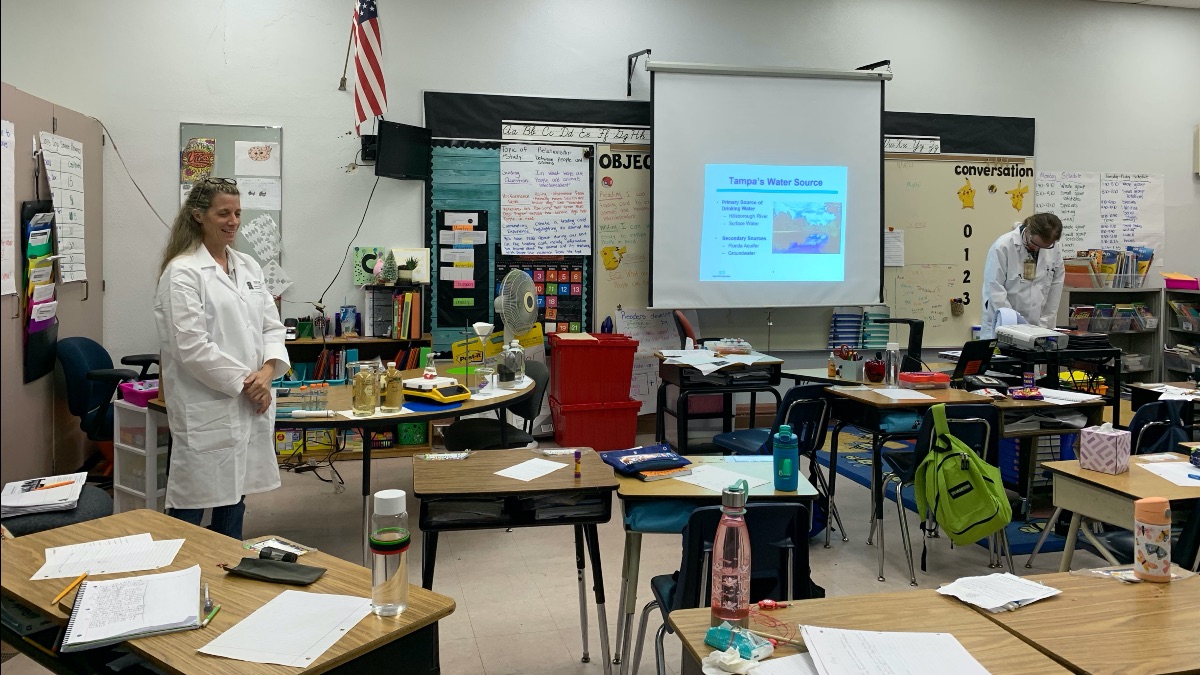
<point>253,155</point>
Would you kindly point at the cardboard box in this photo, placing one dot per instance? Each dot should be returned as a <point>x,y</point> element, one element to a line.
<point>1104,450</point>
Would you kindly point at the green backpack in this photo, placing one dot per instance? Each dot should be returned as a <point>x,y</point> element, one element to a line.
<point>964,493</point>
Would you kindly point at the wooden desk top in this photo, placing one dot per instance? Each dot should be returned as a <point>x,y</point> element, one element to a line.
<point>917,611</point>
<point>1150,385</point>
<point>629,487</point>
<point>475,475</point>
<point>238,597</point>
<point>1100,626</point>
<point>822,374</point>
<point>1135,483</point>
<point>876,400</point>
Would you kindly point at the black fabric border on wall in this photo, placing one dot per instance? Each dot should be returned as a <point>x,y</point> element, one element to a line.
<point>966,134</point>
<point>454,115</point>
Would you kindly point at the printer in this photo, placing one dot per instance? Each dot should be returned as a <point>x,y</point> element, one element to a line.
<point>1030,337</point>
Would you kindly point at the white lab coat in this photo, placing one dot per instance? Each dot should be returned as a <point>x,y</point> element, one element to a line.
<point>213,333</point>
<point>1004,283</point>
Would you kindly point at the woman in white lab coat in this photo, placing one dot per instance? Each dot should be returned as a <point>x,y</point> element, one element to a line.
<point>222,344</point>
<point>1024,272</point>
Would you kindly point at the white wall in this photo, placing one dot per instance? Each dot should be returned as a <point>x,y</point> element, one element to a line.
<point>1112,86</point>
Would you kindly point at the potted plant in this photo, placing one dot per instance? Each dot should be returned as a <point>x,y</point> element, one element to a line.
<point>405,271</point>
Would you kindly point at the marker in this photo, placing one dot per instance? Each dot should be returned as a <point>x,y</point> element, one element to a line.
<point>210,616</point>
<point>1194,476</point>
<point>54,485</point>
<point>78,580</point>
<point>578,464</point>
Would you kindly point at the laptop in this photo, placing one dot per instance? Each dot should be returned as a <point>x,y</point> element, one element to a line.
<point>975,358</point>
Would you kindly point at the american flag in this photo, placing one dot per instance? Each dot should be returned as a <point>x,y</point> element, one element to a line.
<point>370,96</point>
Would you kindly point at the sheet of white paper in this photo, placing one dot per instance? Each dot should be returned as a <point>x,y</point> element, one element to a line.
<point>44,311</point>
<point>446,237</point>
<point>63,160</point>
<point>315,621</point>
<point>472,237</point>
<point>745,359</point>
<point>456,255</point>
<point>263,234</point>
<point>255,158</point>
<point>752,458</point>
<point>716,479</point>
<point>997,592</point>
<point>134,553</point>
<point>461,218</point>
<point>261,194</point>
<point>1065,397</point>
<point>275,278</point>
<point>8,210</point>
<point>893,248</point>
<point>796,664</point>
<point>43,292</point>
<point>545,200</point>
<point>530,469</point>
<point>349,414</point>
<point>1177,472</point>
<point>865,652</point>
<point>456,273</point>
<point>903,394</point>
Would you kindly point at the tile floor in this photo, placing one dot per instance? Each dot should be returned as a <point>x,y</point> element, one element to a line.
<point>516,592</point>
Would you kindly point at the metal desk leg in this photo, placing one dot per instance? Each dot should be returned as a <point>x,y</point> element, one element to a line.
<point>660,424</point>
<point>833,455</point>
<point>1069,547</point>
<point>681,421</point>
<point>429,541</point>
<point>593,544</point>
<point>579,565</point>
<point>366,494</point>
<point>630,567</point>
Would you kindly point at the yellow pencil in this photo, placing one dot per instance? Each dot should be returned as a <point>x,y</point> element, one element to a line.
<point>68,589</point>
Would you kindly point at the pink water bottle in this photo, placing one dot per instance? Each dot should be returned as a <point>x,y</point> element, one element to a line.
<point>1152,539</point>
<point>731,560</point>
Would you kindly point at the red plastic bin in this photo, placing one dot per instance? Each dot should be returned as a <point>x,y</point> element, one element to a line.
<point>591,367</point>
<point>600,426</point>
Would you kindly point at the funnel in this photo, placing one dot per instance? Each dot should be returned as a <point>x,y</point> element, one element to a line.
<point>482,329</point>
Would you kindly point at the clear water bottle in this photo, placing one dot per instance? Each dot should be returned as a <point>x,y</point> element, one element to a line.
<point>511,370</point>
<point>787,458</point>
<point>731,560</point>
<point>389,539</point>
<point>891,365</point>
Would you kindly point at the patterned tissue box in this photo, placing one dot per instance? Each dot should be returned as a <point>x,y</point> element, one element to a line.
<point>1104,449</point>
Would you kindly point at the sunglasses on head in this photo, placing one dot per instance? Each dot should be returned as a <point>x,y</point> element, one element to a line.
<point>221,181</point>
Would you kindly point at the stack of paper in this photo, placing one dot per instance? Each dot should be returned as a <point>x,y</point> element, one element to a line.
<point>1183,474</point>
<point>998,592</point>
<point>1067,397</point>
<point>313,621</point>
<point>134,553</point>
<point>108,612</point>
<point>836,651</point>
<point>23,497</point>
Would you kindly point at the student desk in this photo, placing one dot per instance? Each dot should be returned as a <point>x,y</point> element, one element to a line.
<point>663,506</point>
<point>909,611</point>
<point>466,494</point>
<point>340,400</point>
<point>1108,498</point>
<point>1103,626</point>
<point>821,375</point>
<point>690,382</point>
<point>1140,394</point>
<point>375,644</point>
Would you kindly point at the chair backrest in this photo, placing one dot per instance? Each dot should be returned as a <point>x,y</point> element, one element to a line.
<point>976,424</point>
<point>806,410</point>
<point>530,407</point>
<point>78,356</point>
<point>1157,427</point>
<point>778,554</point>
<point>684,327</point>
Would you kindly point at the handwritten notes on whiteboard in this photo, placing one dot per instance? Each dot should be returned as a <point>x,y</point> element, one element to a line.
<point>8,211</point>
<point>1104,210</point>
<point>925,291</point>
<point>654,330</point>
<point>63,159</point>
<point>622,227</point>
<point>545,204</point>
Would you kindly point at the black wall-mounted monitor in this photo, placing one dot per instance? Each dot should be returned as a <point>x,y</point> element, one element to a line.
<point>404,152</point>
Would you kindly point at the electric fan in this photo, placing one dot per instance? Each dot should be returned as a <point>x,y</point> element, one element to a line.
<point>515,304</point>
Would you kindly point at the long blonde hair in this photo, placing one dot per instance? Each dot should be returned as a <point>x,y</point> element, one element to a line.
<point>186,231</point>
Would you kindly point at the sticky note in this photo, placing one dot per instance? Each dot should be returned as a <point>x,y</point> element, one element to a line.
<point>464,283</point>
<point>464,302</point>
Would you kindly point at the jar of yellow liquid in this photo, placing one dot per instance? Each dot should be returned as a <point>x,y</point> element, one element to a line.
<point>393,390</point>
<point>365,383</point>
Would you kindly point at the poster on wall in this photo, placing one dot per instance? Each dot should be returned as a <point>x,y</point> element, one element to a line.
<point>1105,210</point>
<point>622,177</point>
<point>545,200</point>
<point>63,161</point>
<point>559,284</point>
<point>654,330</point>
<point>256,158</point>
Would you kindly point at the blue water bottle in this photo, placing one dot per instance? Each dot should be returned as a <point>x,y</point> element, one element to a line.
<point>787,460</point>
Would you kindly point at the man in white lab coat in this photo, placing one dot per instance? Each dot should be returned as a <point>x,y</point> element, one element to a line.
<point>1024,272</point>
<point>222,344</point>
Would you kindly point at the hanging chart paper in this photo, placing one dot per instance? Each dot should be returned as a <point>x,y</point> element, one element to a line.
<point>63,159</point>
<point>1104,210</point>
<point>654,330</point>
<point>545,206</point>
<point>1073,196</point>
<point>8,211</point>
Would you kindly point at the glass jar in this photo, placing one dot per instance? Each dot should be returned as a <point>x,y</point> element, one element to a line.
<point>510,371</point>
<point>393,390</point>
<point>365,383</point>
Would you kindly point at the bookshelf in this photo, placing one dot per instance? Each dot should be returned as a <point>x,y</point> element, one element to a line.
<point>1130,339</point>
<point>1179,332</point>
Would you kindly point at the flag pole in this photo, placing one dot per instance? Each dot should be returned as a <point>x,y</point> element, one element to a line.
<point>346,63</point>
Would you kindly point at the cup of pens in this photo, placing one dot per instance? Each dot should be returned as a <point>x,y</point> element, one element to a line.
<point>849,369</point>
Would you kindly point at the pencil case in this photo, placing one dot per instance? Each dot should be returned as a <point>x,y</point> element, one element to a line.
<point>276,571</point>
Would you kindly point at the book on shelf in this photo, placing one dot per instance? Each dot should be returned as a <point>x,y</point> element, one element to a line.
<point>663,474</point>
<point>1123,317</point>
<point>1080,272</point>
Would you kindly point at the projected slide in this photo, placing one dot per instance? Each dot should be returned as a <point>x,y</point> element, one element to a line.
<point>773,223</point>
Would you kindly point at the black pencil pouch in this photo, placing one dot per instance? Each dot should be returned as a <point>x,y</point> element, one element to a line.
<point>276,571</point>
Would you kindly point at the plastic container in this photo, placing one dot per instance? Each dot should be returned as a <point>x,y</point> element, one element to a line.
<point>786,455</point>
<point>924,380</point>
<point>389,539</point>
<point>139,393</point>
<point>510,369</point>
<point>891,367</point>
<point>591,367</point>
<point>731,561</point>
<point>600,426</point>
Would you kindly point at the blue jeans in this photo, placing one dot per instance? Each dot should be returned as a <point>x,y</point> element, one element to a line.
<point>226,520</point>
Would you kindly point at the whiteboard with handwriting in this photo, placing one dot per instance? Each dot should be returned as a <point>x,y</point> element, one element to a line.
<point>545,200</point>
<point>63,159</point>
<point>654,330</point>
<point>1104,210</point>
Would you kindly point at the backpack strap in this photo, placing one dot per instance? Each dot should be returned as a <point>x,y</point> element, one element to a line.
<point>940,427</point>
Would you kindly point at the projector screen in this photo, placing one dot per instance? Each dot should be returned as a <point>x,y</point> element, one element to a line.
<point>767,190</point>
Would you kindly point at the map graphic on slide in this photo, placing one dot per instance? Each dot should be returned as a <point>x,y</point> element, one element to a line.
<point>764,222</point>
<point>807,227</point>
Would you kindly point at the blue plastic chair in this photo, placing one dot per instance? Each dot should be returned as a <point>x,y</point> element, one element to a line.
<point>92,382</point>
<point>778,566</point>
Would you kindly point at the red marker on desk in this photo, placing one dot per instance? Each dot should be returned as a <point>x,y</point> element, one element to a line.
<point>578,464</point>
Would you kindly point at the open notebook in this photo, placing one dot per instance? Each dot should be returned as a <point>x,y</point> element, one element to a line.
<point>112,611</point>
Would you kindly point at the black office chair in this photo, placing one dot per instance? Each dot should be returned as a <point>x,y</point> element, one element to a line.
<point>778,566</point>
<point>92,381</point>
<point>977,425</point>
<point>480,433</point>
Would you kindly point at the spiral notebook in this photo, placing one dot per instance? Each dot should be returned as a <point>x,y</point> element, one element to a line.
<point>115,610</point>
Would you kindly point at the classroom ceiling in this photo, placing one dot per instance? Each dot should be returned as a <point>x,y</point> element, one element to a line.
<point>1190,4</point>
